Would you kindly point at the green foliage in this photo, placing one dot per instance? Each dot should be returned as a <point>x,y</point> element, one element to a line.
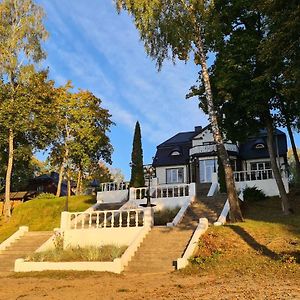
<point>221,177</point>
<point>137,172</point>
<point>254,194</point>
<point>91,253</point>
<point>81,128</point>
<point>45,196</point>
<point>166,215</point>
<point>42,214</point>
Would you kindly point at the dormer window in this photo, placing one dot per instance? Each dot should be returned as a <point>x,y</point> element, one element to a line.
<point>260,146</point>
<point>175,153</point>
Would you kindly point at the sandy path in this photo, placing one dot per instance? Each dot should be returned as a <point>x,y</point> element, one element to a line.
<point>154,286</point>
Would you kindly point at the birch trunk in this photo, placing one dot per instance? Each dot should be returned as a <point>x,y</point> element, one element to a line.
<point>270,142</point>
<point>78,189</point>
<point>7,203</point>
<point>294,148</point>
<point>235,211</point>
<point>69,183</point>
<point>60,178</point>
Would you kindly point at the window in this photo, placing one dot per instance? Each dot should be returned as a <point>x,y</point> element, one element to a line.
<point>261,170</point>
<point>175,153</point>
<point>175,175</point>
<point>262,165</point>
<point>260,146</point>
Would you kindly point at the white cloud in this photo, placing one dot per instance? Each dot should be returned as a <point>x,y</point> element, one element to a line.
<point>101,51</point>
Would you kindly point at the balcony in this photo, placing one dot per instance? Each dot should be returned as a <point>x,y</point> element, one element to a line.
<point>212,148</point>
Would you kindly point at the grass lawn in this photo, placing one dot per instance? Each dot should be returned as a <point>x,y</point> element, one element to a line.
<point>42,214</point>
<point>266,244</point>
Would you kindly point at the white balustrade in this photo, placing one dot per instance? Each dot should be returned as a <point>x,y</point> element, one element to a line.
<point>114,186</point>
<point>161,191</point>
<point>212,148</point>
<point>253,175</point>
<point>104,219</point>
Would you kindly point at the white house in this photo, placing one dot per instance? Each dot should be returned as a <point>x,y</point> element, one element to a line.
<point>192,157</point>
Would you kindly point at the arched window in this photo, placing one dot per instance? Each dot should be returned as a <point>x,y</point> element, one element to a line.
<point>260,146</point>
<point>175,153</point>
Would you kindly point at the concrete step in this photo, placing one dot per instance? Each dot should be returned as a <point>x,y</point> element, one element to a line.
<point>22,248</point>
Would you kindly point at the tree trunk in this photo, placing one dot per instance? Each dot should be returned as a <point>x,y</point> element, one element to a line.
<point>78,191</point>
<point>235,211</point>
<point>69,183</point>
<point>7,203</point>
<point>270,142</point>
<point>294,148</point>
<point>60,178</point>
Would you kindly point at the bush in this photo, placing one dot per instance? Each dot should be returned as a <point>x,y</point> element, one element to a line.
<point>166,215</point>
<point>91,253</point>
<point>254,194</point>
<point>45,196</point>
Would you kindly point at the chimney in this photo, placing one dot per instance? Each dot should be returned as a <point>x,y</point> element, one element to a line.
<point>198,128</point>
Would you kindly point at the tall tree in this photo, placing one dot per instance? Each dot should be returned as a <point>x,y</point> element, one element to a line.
<point>137,173</point>
<point>28,112</point>
<point>82,140</point>
<point>21,34</point>
<point>176,29</point>
<point>241,75</point>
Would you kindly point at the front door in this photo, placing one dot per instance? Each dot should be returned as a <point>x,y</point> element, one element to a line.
<point>207,168</point>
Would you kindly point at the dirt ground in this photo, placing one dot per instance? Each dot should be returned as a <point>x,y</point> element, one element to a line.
<point>151,286</point>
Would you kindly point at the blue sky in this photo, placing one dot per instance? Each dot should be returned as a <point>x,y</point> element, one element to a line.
<point>99,50</point>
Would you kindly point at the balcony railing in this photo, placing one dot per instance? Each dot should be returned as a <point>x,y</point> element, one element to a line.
<point>161,191</point>
<point>212,148</point>
<point>113,186</point>
<point>253,175</point>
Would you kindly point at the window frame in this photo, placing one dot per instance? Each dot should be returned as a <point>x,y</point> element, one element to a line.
<point>172,170</point>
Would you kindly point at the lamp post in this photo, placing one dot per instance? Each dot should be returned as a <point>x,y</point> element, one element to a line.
<point>149,171</point>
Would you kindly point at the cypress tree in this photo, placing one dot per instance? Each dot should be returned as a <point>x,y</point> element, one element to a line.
<point>137,173</point>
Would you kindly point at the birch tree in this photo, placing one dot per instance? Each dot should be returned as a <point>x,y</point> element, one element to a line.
<point>175,29</point>
<point>21,34</point>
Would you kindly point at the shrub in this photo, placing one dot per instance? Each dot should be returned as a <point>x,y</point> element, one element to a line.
<point>166,215</point>
<point>45,196</point>
<point>254,194</point>
<point>90,253</point>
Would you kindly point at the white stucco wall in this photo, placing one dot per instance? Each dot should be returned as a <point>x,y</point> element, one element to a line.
<point>112,196</point>
<point>206,136</point>
<point>161,173</point>
<point>101,236</point>
<point>268,186</point>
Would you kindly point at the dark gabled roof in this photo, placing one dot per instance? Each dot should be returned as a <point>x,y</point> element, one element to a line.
<point>181,137</point>
<point>180,142</point>
<point>163,155</point>
<point>248,150</point>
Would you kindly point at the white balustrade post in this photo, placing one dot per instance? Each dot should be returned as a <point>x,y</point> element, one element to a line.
<point>65,220</point>
<point>192,189</point>
<point>132,193</point>
<point>148,217</point>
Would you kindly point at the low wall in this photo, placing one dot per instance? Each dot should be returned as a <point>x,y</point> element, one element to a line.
<point>181,212</point>
<point>183,261</point>
<point>17,235</point>
<point>114,266</point>
<point>268,186</point>
<point>160,203</point>
<point>112,196</point>
<point>100,236</point>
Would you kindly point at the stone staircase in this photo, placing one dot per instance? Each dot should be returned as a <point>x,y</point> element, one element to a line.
<point>160,249</point>
<point>110,206</point>
<point>163,245</point>
<point>21,248</point>
<point>202,189</point>
<point>206,207</point>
